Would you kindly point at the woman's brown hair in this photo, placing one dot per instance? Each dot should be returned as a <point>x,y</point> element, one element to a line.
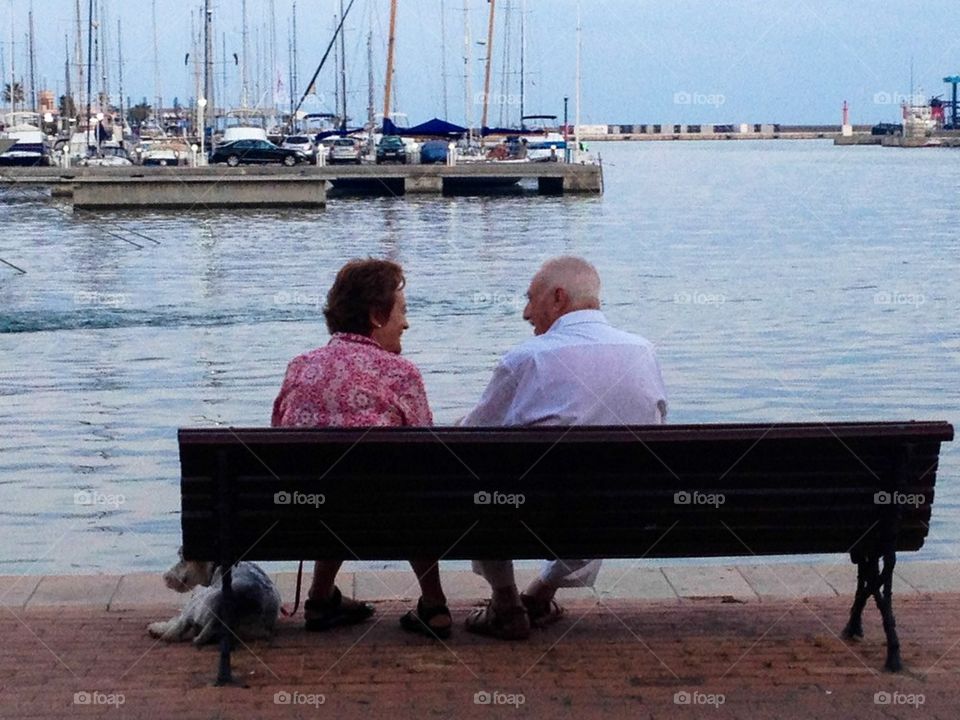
<point>362,287</point>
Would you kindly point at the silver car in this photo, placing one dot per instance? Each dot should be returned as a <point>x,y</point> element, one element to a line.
<point>345,150</point>
<point>301,143</point>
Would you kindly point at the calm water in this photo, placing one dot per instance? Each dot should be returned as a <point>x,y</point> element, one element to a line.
<point>780,281</point>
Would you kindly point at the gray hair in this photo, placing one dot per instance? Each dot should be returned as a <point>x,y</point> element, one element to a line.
<point>578,277</point>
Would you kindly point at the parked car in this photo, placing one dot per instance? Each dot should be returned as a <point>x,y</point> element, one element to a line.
<point>433,152</point>
<point>391,148</point>
<point>345,150</point>
<point>255,151</point>
<point>303,143</point>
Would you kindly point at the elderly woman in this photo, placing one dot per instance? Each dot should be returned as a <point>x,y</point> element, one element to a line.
<point>359,379</point>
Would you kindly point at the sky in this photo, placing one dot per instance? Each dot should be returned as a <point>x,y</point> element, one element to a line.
<point>643,61</point>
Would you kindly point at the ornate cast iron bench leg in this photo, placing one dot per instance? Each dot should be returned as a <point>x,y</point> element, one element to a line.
<point>872,582</point>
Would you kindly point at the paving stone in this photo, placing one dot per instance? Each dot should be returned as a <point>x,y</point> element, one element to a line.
<point>66,590</point>
<point>692,581</point>
<point>641,583</point>
<point>784,581</point>
<point>842,577</point>
<point>15,590</point>
<point>929,577</point>
<point>145,590</point>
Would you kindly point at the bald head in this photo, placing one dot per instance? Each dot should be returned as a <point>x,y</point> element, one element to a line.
<point>577,277</point>
<point>562,285</point>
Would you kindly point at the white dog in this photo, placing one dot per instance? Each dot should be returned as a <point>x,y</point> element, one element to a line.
<point>256,603</point>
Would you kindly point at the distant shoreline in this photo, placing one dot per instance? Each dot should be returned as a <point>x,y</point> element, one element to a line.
<point>691,132</point>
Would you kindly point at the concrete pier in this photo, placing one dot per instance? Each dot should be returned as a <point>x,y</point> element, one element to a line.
<point>276,185</point>
<point>92,193</point>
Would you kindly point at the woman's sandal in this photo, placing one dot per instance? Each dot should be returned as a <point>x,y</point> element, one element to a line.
<point>541,612</point>
<point>511,624</point>
<point>420,621</point>
<point>322,615</point>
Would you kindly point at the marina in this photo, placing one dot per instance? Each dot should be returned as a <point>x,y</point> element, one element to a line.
<point>126,324</point>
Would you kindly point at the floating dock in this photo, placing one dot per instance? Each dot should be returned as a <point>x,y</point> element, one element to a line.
<point>221,186</point>
<point>188,191</point>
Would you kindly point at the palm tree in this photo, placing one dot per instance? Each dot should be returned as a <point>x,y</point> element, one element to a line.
<point>14,94</point>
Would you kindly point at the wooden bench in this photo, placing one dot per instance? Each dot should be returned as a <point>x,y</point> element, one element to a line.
<point>863,489</point>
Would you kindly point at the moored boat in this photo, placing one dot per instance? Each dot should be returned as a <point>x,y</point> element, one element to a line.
<point>29,146</point>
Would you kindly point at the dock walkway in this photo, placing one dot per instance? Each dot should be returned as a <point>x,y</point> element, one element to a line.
<point>656,642</point>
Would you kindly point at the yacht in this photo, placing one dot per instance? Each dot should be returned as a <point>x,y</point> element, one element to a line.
<point>29,144</point>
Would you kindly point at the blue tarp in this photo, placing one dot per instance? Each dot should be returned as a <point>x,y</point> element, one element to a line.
<point>440,128</point>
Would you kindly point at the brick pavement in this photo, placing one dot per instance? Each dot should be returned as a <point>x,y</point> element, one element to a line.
<point>777,658</point>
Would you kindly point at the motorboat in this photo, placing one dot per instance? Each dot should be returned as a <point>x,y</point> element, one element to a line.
<point>29,146</point>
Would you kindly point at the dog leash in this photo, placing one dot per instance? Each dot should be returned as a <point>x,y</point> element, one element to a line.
<point>296,599</point>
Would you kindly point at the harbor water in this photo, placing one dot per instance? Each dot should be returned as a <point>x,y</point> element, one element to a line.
<point>780,281</point>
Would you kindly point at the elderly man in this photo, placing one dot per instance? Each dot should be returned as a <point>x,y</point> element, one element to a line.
<point>578,370</point>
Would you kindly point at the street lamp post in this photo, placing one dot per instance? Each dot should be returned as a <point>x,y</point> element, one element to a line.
<point>201,106</point>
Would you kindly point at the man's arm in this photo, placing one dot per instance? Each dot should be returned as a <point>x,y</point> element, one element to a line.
<point>496,404</point>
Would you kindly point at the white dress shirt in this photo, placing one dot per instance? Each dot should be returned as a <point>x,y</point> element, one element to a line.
<point>582,371</point>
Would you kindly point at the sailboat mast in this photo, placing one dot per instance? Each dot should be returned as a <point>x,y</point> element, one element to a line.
<point>158,99</point>
<point>244,83</point>
<point>576,128</point>
<point>68,94</point>
<point>467,70</point>
<point>486,74</point>
<point>33,60</point>
<point>104,65</point>
<point>443,57</point>
<point>294,79</point>
<point>89,64</point>
<point>523,54</point>
<point>120,74</point>
<point>390,47</point>
<point>13,64</point>
<point>343,73</point>
<point>371,109</point>
<point>78,52</point>
<point>208,57</point>
<point>273,57</point>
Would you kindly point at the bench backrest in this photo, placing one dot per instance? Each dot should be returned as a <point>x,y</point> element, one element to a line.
<point>663,491</point>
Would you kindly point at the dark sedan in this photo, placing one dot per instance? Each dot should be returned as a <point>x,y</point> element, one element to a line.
<point>391,148</point>
<point>254,152</point>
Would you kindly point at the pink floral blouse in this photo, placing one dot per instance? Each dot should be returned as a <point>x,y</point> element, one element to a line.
<point>351,382</point>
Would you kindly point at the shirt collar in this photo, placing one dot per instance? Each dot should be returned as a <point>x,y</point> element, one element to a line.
<point>342,337</point>
<point>578,317</point>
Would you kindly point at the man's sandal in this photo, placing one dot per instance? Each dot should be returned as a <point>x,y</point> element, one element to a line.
<point>541,612</point>
<point>509,624</point>
<point>322,615</point>
<point>420,621</point>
